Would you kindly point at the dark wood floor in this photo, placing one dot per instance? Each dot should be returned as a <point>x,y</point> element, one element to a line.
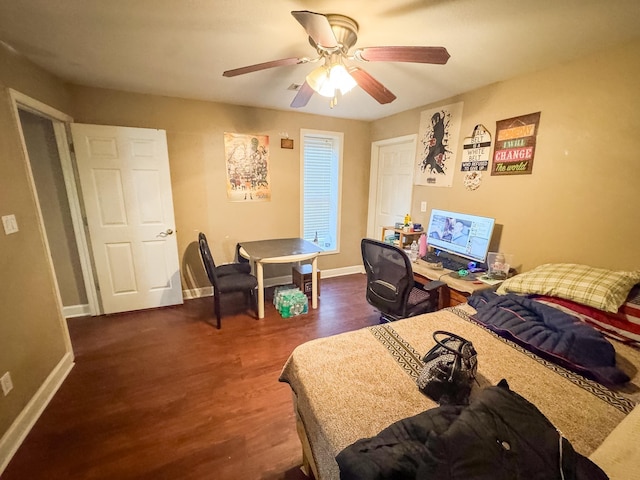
<point>163,394</point>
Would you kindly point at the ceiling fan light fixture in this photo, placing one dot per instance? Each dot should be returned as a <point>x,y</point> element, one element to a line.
<point>341,79</point>
<point>326,79</point>
<point>333,36</point>
<point>320,80</point>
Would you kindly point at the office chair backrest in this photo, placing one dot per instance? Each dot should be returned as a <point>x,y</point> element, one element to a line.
<point>389,276</point>
<point>207,259</point>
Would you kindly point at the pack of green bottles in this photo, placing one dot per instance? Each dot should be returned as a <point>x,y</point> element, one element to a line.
<point>290,301</point>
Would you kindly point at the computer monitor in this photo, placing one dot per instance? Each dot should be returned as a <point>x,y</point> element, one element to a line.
<point>460,234</point>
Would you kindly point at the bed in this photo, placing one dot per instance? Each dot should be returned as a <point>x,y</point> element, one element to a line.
<point>353,385</point>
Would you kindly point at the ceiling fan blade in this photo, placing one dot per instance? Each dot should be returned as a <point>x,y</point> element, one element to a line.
<point>317,26</point>
<point>372,86</point>
<point>303,96</point>
<point>263,66</point>
<point>437,55</point>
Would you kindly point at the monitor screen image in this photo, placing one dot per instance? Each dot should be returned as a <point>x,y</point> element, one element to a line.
<point>460,234</point>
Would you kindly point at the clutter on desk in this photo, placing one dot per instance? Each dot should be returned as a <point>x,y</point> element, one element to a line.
<point>498,265</point>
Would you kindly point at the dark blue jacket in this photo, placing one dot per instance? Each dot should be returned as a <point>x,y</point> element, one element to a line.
<point>552,334</point>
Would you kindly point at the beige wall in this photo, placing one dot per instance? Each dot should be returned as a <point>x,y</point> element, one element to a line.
<point>32,333</point>
<point>196,155</point>
<point>581,202</point>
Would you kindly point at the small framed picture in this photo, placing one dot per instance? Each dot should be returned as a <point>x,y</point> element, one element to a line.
<point>286,143</point>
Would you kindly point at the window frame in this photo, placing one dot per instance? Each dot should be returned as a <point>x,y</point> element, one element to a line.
<point>338,149</point>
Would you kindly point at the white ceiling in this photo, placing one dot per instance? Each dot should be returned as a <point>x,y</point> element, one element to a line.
<point>181,47</point>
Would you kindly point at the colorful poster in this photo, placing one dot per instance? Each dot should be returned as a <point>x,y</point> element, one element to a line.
<point>247,159</point>
<point>475,150</point>
<point>436,157</point>
<point>515,145</point>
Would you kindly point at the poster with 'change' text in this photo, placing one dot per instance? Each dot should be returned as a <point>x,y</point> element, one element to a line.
<point>515,145</point>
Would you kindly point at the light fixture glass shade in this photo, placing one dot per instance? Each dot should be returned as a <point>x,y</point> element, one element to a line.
<point>320,80</point>
<point>341,79</point>
<point>328,78</point>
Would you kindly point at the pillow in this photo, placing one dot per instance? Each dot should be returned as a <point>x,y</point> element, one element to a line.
<point>596,287</point>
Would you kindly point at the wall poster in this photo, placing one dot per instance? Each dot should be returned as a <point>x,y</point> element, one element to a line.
<point>439,133</point>
<point>247,158</point>
<point>515,145</point>
<point>475,150</point>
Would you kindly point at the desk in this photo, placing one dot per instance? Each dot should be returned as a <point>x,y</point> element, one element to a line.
<point>457,290</point>
<point>281,250</point>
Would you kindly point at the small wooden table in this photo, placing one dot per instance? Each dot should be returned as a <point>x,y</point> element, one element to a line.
<point>402,234</point>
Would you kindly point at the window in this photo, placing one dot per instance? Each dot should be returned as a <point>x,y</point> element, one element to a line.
<point>321,170</point>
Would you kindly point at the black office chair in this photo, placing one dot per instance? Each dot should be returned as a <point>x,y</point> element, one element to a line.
<point>391,287</point>
<point>230,277</point>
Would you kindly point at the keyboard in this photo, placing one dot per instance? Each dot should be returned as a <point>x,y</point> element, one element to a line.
<point>448,263</point>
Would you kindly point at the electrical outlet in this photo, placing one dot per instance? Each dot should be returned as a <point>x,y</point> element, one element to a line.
<point>7,384</point>
<point>423,206</point>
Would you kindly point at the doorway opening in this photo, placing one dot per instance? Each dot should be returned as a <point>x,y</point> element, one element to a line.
<point>44,134</point>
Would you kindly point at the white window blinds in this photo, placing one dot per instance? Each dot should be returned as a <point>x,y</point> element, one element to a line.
<point>320,197</point>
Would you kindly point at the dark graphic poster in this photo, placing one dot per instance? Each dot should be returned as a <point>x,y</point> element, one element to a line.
<point>436,157</point>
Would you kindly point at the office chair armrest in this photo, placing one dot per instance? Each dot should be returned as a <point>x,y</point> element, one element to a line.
<point>429,287</point>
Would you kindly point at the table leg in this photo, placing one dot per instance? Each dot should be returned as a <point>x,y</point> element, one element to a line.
<point>314,282</point>
<point>260,276</point>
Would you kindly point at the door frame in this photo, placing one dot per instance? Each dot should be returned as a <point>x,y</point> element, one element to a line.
<point>373,177</point>
<point>60,122</point>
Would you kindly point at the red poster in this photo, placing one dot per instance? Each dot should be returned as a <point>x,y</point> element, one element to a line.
<point>515,145</point>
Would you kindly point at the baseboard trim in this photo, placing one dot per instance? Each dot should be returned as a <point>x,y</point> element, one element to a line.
<point>339,272</point>
<point>273,281</point>
<point>76,311</point>
<point>197,293</point>
<point>22,425</point>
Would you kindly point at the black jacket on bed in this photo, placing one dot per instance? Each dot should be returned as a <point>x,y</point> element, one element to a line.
<point>499,436</point>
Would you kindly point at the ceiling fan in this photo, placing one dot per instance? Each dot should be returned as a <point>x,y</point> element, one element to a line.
<point>333,36</point>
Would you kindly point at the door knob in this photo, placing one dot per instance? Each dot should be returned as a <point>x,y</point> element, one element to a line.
<point>166,233</point>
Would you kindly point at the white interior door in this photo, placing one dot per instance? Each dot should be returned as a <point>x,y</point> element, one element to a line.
<point>391,183</point>
<point>126,188</point>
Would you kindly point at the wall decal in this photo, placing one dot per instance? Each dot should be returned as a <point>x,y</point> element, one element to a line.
<point>439,133</point>
<point>475,150</point>
<point>515,145</point>
<point>247,158</point>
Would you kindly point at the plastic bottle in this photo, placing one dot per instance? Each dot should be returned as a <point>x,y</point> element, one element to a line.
<point>414,251</point>
<point>407,219</point>
<point>422,246</point>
